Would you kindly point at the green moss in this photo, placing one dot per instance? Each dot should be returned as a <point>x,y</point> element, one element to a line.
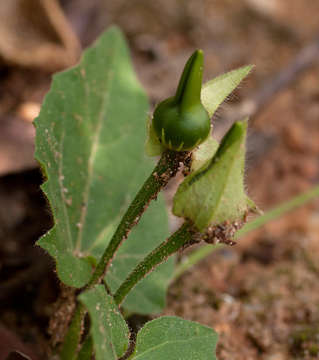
<point>304,341</point>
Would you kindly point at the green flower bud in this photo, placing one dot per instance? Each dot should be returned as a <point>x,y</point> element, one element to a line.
<point>181,122</point>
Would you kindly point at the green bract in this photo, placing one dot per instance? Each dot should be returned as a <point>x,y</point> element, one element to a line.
<point>215,193</point>
<point>181,122</point>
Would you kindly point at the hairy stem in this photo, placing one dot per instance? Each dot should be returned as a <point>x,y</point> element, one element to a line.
<point>73,336</point>
<point>183,237</point>
<point>86,349</point>
<point>165,169</point>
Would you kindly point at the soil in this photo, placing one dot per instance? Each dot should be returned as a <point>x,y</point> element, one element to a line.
<point>262,295</point>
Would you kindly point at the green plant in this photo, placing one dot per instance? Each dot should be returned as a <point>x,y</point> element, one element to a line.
<point>181,122</point>
<point>90,144</point>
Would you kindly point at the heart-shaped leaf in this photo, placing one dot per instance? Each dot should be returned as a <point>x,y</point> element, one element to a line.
<point>90,144</point>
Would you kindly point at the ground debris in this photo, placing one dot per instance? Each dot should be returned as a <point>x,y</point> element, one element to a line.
<point>222,233</point>
<point>62,312</point>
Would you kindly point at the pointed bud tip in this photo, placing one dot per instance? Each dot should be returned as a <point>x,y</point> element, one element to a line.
<point>189,87</point>
<point>199,52</point>
<point>198,56</point>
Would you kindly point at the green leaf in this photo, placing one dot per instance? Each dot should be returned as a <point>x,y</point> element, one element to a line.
<point>90,144</point>
<point>215,91</point>
<point>149,295</point>
<point>204,153</point>
<point>172,338</point>
<point>86,350</point>
<point>109,330</point>
<point>153,146</point>
<point>215,193</point>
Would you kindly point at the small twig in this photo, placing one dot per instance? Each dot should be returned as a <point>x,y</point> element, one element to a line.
<point>261,97</point>
<point>280,81</point>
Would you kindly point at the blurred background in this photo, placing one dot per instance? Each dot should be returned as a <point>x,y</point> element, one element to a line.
<point>262,296</point>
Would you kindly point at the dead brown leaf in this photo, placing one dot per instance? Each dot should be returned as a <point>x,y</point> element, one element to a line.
<point>35,33</point>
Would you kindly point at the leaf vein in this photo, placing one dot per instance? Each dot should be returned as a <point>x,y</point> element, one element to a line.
<point>94,148</point>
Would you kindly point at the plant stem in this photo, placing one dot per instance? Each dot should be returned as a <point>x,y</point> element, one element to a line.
<point>165,169</point>
<point>73,336</point>
<point>87,349</point>
<point>181,238</point>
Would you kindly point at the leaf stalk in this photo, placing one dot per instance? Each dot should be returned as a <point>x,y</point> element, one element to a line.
<point>182,238</point>
<point>165,169</point>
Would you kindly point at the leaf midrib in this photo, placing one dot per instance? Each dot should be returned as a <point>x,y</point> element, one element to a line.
<point>225,183</point>
<point>108,85</point>
<point>171,342</point>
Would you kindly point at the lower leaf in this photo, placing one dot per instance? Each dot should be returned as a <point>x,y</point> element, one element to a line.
<point>109,330</point>
<point>172,338</point>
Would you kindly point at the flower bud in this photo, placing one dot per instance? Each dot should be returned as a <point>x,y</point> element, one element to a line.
<point>181,122</point>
